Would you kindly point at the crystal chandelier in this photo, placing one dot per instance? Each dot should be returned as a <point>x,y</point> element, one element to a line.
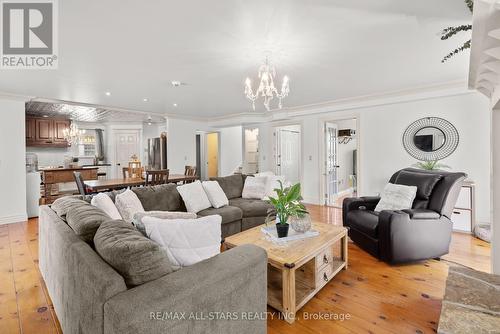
<point>73,134</point>
<point>266,89</point>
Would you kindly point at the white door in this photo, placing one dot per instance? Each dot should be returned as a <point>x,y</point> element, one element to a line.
<point>126,145</point>
<point>331,163</point>
<point>288,155</point>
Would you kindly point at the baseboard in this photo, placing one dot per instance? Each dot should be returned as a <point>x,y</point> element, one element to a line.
<point>345,192</point>
<point>311,200</point>
<point>13,219</point>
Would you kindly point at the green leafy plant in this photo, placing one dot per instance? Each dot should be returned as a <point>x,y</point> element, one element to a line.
<point>287,203</point>
<point>452,31</point>
<point>431,165</point>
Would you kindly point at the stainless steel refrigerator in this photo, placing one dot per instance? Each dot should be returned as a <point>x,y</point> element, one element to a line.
<point>157,152</point>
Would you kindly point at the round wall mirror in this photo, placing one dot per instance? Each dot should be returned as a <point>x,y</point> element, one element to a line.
<point>430,139</point>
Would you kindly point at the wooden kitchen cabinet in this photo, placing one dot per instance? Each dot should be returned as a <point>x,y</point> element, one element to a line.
<point>59,127</point>
<point>30,130</point>
<point>47,132</point>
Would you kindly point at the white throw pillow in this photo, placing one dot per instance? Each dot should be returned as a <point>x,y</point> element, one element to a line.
<point>255,187</point>
<point>266,173</point>
<point>186,241</point>
<point>159,214</point>
<point>396,197</point>
<point>105,203</point>
<point>128,204</point>
<point>215,194</point>
<point>273,183</point>
<point>194,197</point>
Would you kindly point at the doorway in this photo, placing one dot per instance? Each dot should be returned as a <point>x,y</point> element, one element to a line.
<point>287,152</point>
<point>127,144</point>
<point>340,157</point>
<point>251,151</point>
<point>212,154</point>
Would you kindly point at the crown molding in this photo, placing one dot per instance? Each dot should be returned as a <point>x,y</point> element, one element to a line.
<point>15,97</point>
<point>438,90</point>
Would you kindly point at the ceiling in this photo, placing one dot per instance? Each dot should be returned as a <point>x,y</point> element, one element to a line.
<point>81,113</point>
<point>330,49</point>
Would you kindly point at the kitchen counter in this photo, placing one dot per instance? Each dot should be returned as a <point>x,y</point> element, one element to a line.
<point>98,165</point>
<point>60,169</point>
<point>51,177</point>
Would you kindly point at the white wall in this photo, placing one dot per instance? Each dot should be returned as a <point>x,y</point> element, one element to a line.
<point>495,240</point>
<point>231,150</point>
<point>12,162</point>
<point>380,130</point>
<point>181,143</point>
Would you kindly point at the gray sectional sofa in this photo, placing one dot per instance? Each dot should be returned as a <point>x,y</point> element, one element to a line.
<point>223,294</point>
<point>241,214</point>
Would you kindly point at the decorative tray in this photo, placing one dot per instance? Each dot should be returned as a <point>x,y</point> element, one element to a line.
<point>270,232</point>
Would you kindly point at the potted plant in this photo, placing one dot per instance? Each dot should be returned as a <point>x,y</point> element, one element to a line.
<point>431,165</point>
<point>286,204</point>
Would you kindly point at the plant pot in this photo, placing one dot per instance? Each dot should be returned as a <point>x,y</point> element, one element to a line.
<point>282,230</point>
<point>300,224</point>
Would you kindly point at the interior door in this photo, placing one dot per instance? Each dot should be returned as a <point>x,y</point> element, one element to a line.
<point>331,163</point>
<point>126,144</point>
<point>288,155</point>
<point>212,154</point>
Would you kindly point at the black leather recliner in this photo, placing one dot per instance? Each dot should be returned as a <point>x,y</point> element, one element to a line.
<point>423,232</point>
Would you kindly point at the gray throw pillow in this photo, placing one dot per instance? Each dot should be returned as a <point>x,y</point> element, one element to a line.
<point>135,257</point>
<point>85,219</point>
<point>63,204</point>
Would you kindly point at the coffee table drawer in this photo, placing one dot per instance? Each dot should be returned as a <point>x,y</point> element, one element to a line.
<point>323,275</point>
<point>324,258</point>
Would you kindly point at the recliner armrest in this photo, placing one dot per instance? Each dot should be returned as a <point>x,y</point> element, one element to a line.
<point>358,203</point>
<point>422,214</point>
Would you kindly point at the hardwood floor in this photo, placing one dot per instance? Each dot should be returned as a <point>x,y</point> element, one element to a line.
<point>371,296</point>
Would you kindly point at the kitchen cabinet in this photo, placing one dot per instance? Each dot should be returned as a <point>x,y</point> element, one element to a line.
<point>30,130</point>
<point>47,132</point>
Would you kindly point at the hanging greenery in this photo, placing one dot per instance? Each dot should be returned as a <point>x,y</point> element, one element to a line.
<point>452,31</point>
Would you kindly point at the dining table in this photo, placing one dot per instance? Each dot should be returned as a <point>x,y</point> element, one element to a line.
<point>120,183</point>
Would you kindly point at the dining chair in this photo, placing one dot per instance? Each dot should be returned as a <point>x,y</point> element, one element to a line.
<point>189,171</point>
<point>82,189</point>
<point>156,177</point>
<point>125,172</point>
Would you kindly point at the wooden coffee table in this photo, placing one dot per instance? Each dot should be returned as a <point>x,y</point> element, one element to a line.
<point>298,269</point>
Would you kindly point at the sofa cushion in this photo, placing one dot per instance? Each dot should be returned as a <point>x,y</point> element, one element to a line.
<point>63,204</point>
<point>135,257</point>
<point>228,213</point>
<point>232,185</point>
<point>364,221</point>
<point>425,183</point>
<point>251,207</point>
<point>85,219</point>
<point>163,197</point>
